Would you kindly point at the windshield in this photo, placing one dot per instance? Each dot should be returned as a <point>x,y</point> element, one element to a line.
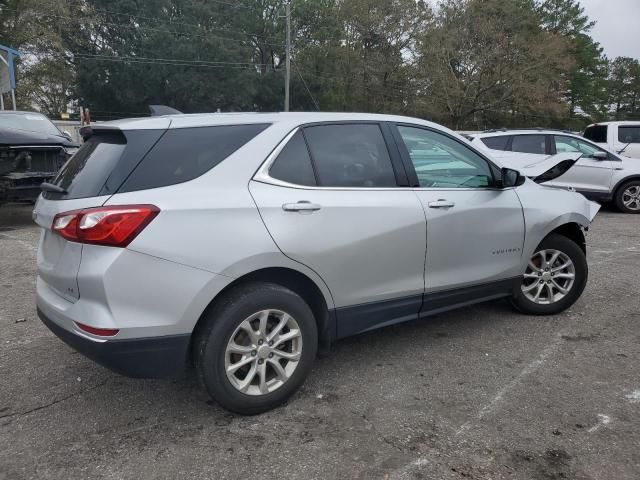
<point>32,122</point>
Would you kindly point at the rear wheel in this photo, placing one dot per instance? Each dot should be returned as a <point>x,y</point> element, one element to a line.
<point>628,197</point>
<point>554,278</point>
<point>256,348</point>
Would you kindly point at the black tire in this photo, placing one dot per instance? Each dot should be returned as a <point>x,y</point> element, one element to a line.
<point>577,256</point>
<point>220,323</point>
<point>620,192</point>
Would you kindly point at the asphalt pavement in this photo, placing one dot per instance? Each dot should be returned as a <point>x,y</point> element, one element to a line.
<point>479,393</point>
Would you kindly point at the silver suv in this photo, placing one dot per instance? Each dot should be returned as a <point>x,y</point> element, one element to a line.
<point>243,243</point>
<point>600,174</point>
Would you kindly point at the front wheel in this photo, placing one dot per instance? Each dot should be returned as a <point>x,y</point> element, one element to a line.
<point>554,279</point>
<point>256,347</point>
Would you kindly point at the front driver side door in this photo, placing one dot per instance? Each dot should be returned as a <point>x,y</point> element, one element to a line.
<point>475,231</point>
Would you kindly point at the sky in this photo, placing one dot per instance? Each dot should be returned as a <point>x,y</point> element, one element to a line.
<point>617,26</point>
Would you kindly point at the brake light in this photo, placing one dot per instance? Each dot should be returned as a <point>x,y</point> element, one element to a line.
<point>113,226</point>
<point>102,332</point>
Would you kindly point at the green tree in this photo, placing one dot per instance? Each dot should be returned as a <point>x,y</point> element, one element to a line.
<point>487,63</point>
<point>624,87</point>
<point>358,55</point>
<point>586,92</point>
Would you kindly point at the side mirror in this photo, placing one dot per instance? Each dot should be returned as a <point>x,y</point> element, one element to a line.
<point>67,134</point>
<point>600,156</point>
<point>511,178</point>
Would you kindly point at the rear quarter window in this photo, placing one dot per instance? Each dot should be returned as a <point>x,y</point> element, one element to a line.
<point>183,154</point>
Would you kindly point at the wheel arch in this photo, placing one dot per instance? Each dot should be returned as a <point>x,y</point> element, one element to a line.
<point>295,281</point>
<point>621,183</point>
<point>573,231</point>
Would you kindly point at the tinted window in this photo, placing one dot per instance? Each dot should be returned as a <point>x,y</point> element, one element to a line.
<point>442,162</point>
<point>496,143</point>
<point>105,155</point>
<point>350,156</point>
<point>596,133</point>
<point>629,134</point>
<point>529,144</point>
<point>293,165</point>
<point>183,154</point>
<point>571,144</point>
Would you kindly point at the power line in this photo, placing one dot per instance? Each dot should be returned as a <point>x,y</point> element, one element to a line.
<point>305,86</point>
<point>160,60</point>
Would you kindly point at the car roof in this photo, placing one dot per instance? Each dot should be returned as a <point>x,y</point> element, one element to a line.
<point>213,119</point>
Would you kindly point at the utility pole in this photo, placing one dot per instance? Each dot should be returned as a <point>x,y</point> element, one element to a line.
<point>287,78</point>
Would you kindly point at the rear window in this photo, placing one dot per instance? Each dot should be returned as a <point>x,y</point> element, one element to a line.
<point>113,161</point>
<point>529,144</point>
<point>183,154</point>
<point>86,172</point>
<point>629,134</point>
<point>496,143</point>
<point>596,133</point>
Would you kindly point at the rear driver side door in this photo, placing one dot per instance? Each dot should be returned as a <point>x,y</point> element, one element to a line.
<point>332,198</point>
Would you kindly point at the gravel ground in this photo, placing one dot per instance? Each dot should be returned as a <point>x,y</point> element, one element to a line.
<point>479,393</point>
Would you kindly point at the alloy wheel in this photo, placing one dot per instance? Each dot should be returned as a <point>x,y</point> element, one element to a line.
<point>549,277</point>
<point>631,197</point>
<point>263,352</point>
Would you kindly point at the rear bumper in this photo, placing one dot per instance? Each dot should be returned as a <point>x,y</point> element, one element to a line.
<point>152,357</point>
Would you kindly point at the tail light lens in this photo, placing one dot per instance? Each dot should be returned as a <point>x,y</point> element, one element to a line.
<point>113,226</point>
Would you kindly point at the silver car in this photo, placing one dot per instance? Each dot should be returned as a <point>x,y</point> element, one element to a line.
<point>245,243</point>
<point>600,174</point>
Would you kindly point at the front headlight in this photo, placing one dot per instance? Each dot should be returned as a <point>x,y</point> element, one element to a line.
<point>71,150</point>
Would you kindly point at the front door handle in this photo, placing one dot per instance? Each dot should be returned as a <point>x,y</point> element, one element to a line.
<point>301,206</point>
<point>441,203</point>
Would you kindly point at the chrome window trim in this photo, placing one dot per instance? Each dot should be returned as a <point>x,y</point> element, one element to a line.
<point>262,176</point>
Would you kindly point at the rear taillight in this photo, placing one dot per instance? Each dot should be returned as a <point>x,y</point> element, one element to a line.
<point>113,226</point>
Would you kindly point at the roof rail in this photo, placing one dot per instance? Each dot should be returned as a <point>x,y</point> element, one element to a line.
<point>537,129</point>
<point>493,130</point>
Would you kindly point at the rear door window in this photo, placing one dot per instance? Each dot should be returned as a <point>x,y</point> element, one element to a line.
<point>596,133</point>
<point>496,143</point>
<point>630,134</point>
<point>293,164</point>
<point>350,155</point>
<point>529,144</point>
<point>183,154</point>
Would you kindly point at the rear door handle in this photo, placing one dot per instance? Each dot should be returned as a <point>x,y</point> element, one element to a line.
<point>301,206</point>
<point>441,203</point>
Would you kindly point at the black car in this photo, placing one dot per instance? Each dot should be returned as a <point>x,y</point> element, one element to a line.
<point>32,150</point>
